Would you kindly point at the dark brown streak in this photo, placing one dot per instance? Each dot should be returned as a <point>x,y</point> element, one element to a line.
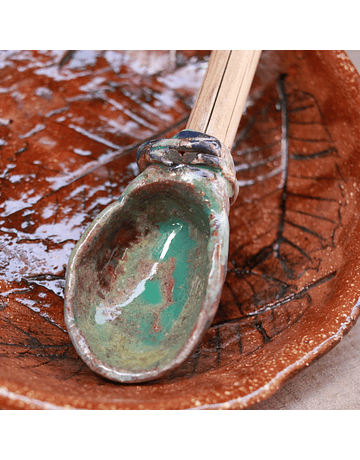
<point>258,325</point>
<point>32,339</point>
<point>288,299</point>
<point>37,346</point>
<point>284,287</point>
<point>218,347</point>
<point>295,246</point>
<point>304,107</point>
<point>321,178</point>
<point>100,165</point>
<point>195,360</point>
<point>74,374</point>
<point>305,229</point>
<point>43,276</point>
<point>66,58</point>
<point>128,150</point>
<point>338,170</point>
<point>255,299</point>
<point>34,366</point>
<point>310,197</point>
<point>306,123</point>
<point>311,215</point>
<point>306,94</point>
<point>285,153</point>
<point>243,133</point>
<point>238,304</point>
<point>258,237</point>
<point>253,261</point>
<point>41,166</point>
<point>297,156</point>
<point>238,334</point>
<point>302,139</point>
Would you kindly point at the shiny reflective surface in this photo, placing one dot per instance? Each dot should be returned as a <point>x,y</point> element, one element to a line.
<point>144,281</point>
<point>69,129</point>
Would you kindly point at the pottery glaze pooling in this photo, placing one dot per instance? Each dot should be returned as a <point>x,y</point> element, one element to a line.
<point>144,281</point>
<point>158,266</point>
<point>50,376</point>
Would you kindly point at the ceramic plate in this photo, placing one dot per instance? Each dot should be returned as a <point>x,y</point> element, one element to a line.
<point>70,125</point>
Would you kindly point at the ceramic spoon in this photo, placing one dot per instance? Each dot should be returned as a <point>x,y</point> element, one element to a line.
<point>144,281</point>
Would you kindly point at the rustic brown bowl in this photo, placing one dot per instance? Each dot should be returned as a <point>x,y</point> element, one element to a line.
<point>70,124</point>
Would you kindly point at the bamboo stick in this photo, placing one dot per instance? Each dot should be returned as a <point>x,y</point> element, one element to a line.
<point>221,99</point>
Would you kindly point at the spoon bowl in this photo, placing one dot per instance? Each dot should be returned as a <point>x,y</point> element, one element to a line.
<point>144,281</point>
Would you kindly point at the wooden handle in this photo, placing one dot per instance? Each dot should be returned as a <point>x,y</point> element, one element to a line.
<point>223,93</point>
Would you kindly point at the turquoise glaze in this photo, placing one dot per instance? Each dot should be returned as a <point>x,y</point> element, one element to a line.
<point>157,297</point>
<point>144,281</point>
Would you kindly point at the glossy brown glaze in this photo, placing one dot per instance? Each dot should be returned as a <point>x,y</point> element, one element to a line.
<point>70,124</point>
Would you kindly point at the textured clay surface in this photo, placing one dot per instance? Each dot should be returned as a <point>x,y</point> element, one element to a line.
<point>70,125</point>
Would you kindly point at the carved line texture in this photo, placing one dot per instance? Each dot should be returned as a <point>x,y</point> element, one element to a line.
<point>265,291</point>
<point>264,283</point>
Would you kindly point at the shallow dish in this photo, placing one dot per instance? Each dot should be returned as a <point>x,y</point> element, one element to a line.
<point>70,124</point>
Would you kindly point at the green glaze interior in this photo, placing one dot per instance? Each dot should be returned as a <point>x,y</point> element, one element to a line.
<point>142,278</point>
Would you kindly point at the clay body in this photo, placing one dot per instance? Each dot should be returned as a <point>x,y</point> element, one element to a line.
<point>144,281</point>
<point>292,285</point>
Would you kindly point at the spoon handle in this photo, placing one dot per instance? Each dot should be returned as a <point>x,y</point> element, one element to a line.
<point>221,99</point>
